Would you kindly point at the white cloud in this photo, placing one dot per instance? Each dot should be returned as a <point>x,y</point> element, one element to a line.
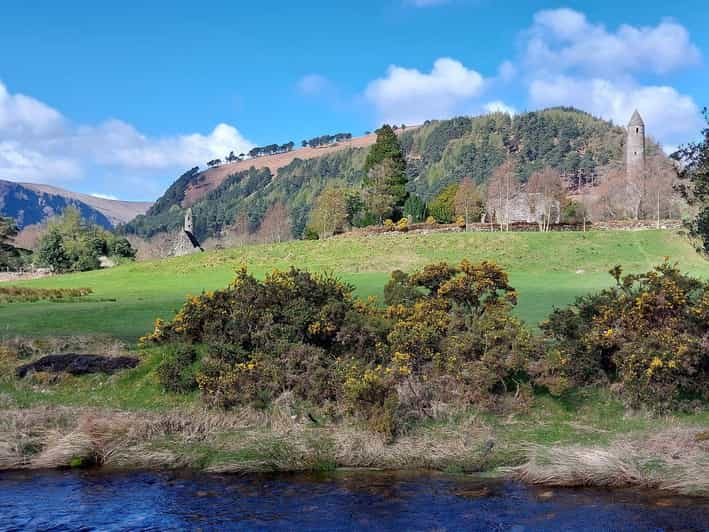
<point>103,196</point>
<point>27,162</point>
<point>498,106</point>
<point>411,96</point>
<point>38,143</point>
<point>669,115</point>
<point>23,115</point>
<point>568,60</point>
<point>313,84</point>
<point>563,39</point>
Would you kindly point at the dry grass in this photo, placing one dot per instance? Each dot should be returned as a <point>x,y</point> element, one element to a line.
<point>676,459</point>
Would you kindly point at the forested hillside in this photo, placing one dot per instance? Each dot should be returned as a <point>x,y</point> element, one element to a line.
<point>437,154</point>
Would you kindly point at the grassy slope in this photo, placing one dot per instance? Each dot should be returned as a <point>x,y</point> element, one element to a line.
<point>547,269</point>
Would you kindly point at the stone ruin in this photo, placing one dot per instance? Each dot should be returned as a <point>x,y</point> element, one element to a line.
<point>187,243</point>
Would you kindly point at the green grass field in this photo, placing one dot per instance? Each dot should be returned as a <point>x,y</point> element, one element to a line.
<point>547,269</point>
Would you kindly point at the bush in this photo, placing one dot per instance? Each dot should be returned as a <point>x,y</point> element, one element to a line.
<point>431,220</point>
<point>176,371</point>
<point>310,234</point>
<point>415,208</point>
<point>398,290</point>
<point>442,208</point>
<point>266,337</point>
<point>121,247</point>
<point>648,334</point>
<point>402,225</point>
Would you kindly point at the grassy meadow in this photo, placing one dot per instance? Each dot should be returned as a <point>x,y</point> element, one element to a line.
<point>127,420</point>
<point>547,269</point>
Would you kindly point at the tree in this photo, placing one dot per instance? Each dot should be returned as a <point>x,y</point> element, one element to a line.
<point>9,254</point>
<point>660,181</point>
<point>545,193</point>
<point>377,195</point>
<point>442,208</point>
<point>468,201</point>
<point>330,212</point>
<point>121,247</point>
<point>52,253</point>
<point>694,171</point>
<point>8,230</point>
<point>415,208</point>
<point>387,149</point>
<point>502,187</point>
<point>276,224</point>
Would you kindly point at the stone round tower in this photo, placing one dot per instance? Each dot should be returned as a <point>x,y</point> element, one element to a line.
<point>635,146</point>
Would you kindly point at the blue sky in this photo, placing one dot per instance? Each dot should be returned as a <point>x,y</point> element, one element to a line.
<point>118,98</point>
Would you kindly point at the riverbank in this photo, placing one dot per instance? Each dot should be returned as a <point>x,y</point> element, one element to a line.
<point>671,454</point>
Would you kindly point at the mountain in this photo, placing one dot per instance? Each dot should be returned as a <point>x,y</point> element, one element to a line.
<point>438,153</point>
<point>30,204</point>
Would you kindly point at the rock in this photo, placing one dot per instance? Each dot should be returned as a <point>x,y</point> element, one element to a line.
<point>77,364</point>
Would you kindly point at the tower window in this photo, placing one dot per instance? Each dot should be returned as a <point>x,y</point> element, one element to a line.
<point>637,130</point>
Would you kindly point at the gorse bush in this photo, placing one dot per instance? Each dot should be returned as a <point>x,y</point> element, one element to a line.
<point>649,334</point>
<point>267,337</point>
<point>176,371</point>
<point>305,334</point>
<point>446,335</point>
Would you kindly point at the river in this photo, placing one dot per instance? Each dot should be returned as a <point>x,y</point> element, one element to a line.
<point>86,500</point>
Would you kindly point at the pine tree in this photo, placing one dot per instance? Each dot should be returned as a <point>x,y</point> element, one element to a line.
<point>388,150</point>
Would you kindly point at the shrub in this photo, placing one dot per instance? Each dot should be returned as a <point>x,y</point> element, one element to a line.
<point>415,208</point>
<point>431,220</point>
<point>399,291</point>
<point>280,334</point>
<point>176,371</point>
<point>460,222</point>
<point>310,234</point>
<point>463,329</point>
<point>402,225</point>
<point>649,334</point>
<point>442,208</point>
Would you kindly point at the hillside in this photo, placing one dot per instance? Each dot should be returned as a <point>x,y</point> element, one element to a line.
<point>547,269</point>
<point>30,204</point>
<point>210,179</point>
<point>438,153</point>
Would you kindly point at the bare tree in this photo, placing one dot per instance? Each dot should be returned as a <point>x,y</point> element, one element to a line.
<point>377,195</point>
<point>276,224</point>
<point>468,200</point>
<point>503,186</point>
<point>660,197</point>
<point>545,192</point>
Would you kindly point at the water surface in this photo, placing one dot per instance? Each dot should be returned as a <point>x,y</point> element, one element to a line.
<point>84,500</point>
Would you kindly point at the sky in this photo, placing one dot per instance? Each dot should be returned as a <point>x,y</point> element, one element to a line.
<point>119,98</point>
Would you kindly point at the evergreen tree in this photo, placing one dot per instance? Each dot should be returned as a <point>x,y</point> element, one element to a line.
<point>388,149</point>
<point>9,255</point>
<point>52,253</point>
<point>416,208</point>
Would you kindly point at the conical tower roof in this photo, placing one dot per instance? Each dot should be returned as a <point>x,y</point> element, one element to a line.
<point>636,119</point>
